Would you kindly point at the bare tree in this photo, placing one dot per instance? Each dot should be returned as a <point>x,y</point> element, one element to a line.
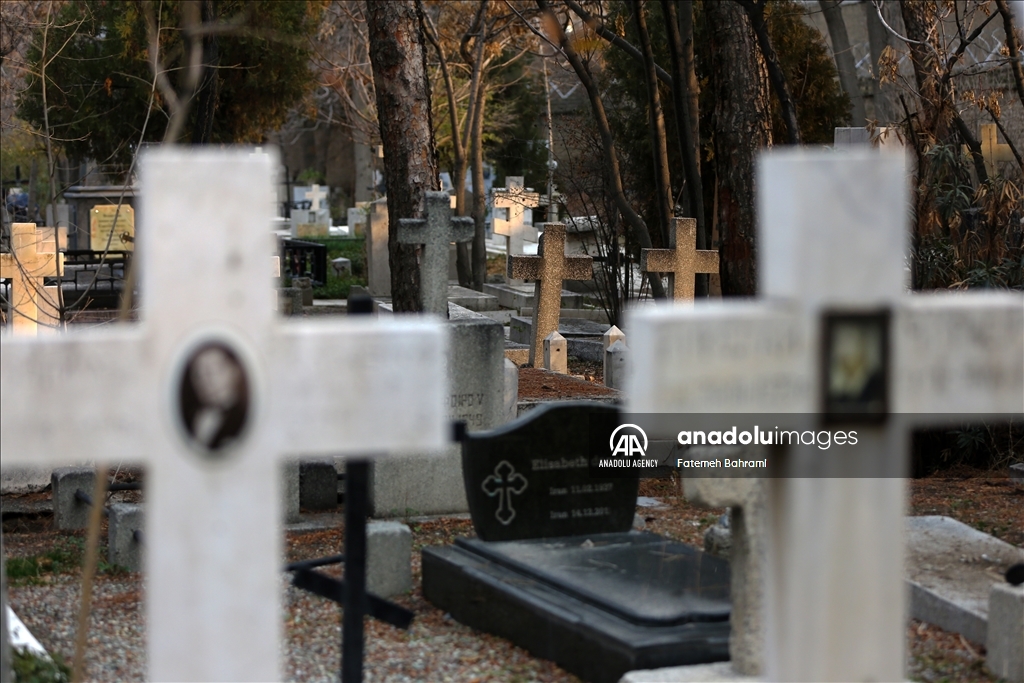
<point>843,54</point>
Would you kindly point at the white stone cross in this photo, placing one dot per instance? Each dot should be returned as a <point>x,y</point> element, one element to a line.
<point>834,243</point>
<point>549,268</point>
<point>211,391</point>
<point>314,195</point>
<point>435,232</point>
<point>682,260</point>
<point>33,257</point>
<point>514,200</point>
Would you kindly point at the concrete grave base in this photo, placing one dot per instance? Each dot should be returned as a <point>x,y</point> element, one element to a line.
<point>1005,643</point>
<point>472,299</point>
<point>720,672</point>
<point>24,479</point>
<point>950,571</point>
<point>518,296</point>
<point>521,329</point>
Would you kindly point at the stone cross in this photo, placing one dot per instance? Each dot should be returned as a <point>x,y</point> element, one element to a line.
<point>33,257</point>
<point>548,268</point>
<point>834,243</point>
<point>211,392</point>
<point>314,195</point>
<point>435,232</point>
<point>516,201</point>
<point>682,260</point>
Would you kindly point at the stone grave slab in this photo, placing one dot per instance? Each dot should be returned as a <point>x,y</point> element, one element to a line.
<point>950,570</point>
<point>518,296</point>
<point>472,299</point>
<point>555,567</point>
<point>520,330</point>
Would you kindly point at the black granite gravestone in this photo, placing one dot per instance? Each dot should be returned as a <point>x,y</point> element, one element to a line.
<point>555,568</point>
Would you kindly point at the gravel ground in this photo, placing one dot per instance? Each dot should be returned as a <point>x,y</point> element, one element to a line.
<point>435,648</point>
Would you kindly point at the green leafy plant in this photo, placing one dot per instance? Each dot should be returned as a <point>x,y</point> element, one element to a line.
<point>31,668</point>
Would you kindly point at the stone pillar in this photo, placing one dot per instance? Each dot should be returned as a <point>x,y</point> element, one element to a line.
<point>555,353</point>
<point>616,358</point>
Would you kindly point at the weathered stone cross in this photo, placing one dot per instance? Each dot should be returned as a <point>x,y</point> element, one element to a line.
<point>33,257</point>
<point>435,232</point>
<point>681,261</point>
<point>503,483</point>
<point>548,268</point>
<point>211,391</point>
<point>516,201</point>
<point>836,341</point>
<point>314,195</point>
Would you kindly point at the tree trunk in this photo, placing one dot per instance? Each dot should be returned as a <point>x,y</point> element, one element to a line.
<point>684,100</point>
<point>844,59</point>
<point>479,194</point>
<point>883,96</point>
<point>399,61</point>
<point>755,13</point>
<point>656,126</point>
<point>206,104</point>
<point>742,127</point>
<point>1012,47</point>
<point>612,171</point>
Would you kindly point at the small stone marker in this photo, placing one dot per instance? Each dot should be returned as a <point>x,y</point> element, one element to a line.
<point>548,268</point>
<point>435,233</point>
<point>616,358</point>
<point>612,335</point>
<point>33,257</point>
<point>682,261</point>
<point>212,391</point>
<point>555,351</point>
<point>112,227</point>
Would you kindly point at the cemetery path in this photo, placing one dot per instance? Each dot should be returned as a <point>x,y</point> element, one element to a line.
<point>45,593</point>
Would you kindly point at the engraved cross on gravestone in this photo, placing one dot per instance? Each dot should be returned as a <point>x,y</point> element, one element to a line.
<point>503,483</point>
<point>549,268</point>
<point>435,232</point>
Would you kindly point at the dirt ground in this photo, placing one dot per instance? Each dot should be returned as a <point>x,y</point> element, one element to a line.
<point>980,499</point>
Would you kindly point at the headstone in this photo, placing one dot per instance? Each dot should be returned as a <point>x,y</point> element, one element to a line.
<point>211,392</point>
<point>357,219</point>
<point>474,370</point>
<point>378,268</point>
<point>388,558</point>
<point>554,566</point>
<point>512,210</point>
<point>435,233</point>
<point>471,299</point>
<point>616,361</point>
<point>33,257</point>
<point>549,268</point>
<point>315,221</point>
<point>112,228</point>
<point>555,358</point>
<point>682,260</point>
<point>341,266</point>
<point>834,244</point>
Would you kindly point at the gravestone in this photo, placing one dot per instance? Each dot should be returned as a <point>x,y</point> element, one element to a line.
<point>474,367</point>
<point>549,268</point>
<point>555,567</point>
<point>682,260</point>
<point>112,227</point>
<point>836,337</point>
<point>33,257</point>
<point>435,232</point>
<point>211,391</point>
<point>316,221</point>
<point>378,268</point>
